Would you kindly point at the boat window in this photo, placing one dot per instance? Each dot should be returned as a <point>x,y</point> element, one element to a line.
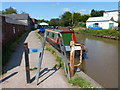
<point>47,33</point>
<point>53,35</point>
<point>111,24</point>
<point>96,24</point>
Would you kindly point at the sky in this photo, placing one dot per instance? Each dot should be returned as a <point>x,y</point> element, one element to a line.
<point>48,10</point>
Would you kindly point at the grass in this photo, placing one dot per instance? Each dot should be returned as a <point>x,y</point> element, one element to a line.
<point>38,36</point>
<point>32,69</point>
<point>110,33</point>
<point>58,58</point>
<point>49,48</point>
<point>9,48</point>
<point>82,83</point>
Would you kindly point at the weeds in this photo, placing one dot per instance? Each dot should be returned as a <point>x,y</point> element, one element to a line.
<point>111,33</point>
<point>81,82</point>
<point>58,58</point>
<point>38,36</point>
<point>32,69</point>
<point>9,48</point>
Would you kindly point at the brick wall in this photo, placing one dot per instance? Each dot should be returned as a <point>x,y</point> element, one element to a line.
<point>10,31</point>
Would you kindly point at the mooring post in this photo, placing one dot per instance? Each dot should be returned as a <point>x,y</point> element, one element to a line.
<point>27,62</point>
<point>72,58</point>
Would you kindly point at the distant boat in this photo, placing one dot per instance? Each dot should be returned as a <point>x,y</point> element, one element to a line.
<point>93,26</point>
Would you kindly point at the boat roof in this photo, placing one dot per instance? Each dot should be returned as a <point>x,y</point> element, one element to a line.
<point>61,31</point>
<point>91,19</point>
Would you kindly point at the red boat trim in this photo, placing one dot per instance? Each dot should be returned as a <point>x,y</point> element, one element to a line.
<point>53,31</point>
<point>53,40</point>
<point>61,31</point>
<point>67,32</point>
<point>76,43</point>
<point>74,38</point>
<point>58,41</point>
<point>79,44</point>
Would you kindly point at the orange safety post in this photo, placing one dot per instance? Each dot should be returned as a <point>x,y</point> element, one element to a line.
<point>72,52</point>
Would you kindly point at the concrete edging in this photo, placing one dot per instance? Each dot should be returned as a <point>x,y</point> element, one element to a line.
<point>89,79</point>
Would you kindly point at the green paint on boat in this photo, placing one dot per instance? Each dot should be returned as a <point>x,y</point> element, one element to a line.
<point>67,37</point>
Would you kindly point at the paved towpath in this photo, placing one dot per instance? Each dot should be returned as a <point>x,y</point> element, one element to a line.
<point>15,76</point>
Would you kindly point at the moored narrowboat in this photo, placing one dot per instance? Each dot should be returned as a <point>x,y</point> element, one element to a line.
<point>54,38</point>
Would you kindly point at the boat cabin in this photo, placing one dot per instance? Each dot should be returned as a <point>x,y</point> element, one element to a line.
<point>53,36</point>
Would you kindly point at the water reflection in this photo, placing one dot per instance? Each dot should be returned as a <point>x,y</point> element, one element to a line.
<point>83,66</point>
<point>101,63</point>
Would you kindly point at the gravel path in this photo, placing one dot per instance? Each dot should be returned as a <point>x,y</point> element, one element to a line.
<point>16,77</point>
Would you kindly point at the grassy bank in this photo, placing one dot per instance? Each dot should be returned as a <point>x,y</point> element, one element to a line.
<point>82,83</point>
<point>105,33</point>
<point>10,47</point>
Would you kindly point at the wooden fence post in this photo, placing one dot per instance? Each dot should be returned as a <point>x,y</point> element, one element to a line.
<point>27,62</point>
<point>72,58</point>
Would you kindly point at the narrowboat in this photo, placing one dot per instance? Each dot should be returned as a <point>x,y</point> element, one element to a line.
<point>55,40</point>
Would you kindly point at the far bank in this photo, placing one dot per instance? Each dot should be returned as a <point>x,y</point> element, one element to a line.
<point>103,33</point>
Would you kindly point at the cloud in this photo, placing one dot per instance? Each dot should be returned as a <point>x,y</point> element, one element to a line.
<point>13,7</point>
<point>82,10</point>
<point>66,9</point>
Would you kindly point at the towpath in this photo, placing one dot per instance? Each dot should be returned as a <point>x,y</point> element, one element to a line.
<point>16,77</point>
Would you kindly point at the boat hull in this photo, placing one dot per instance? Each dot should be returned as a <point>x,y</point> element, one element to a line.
<point>55,45</point>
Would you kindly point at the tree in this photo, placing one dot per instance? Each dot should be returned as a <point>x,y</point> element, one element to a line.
<point>66,19</point>
<point>101,12</point>
<point>84,17</point>
<point>9,11</point>
<point>95,13</point>
<point>54,22</point>
<point>43,20</point>
<point>76,18</point>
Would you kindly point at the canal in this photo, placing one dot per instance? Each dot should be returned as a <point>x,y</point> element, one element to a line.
<point>101,63</point>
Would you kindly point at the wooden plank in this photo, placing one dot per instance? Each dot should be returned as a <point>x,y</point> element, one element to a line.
<point>27,62</point>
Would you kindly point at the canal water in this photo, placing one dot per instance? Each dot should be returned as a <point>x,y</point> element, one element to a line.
<point>101,63</point>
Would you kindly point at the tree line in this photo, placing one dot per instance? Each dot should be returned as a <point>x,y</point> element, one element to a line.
<point>11,10</point>
<point>69,19</point>
<point>74,19</point>
<point>66,19</point>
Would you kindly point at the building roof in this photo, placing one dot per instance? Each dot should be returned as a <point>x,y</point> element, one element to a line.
<point>18,16</point>
<point>93,19</point>
<point>112,11</point>
<point>43,23</point>
<point>12,21</point>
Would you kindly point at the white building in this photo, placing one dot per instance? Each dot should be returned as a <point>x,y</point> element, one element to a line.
<point>113,14</point>
<point>108,20</point>
<point>103,22</point>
